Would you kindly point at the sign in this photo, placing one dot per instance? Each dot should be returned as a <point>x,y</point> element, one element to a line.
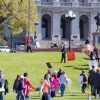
<point>80,80</point>
<point>71,55</point>
<point>93,62</point>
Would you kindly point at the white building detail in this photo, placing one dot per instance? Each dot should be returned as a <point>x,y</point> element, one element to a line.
<point>53,21</point>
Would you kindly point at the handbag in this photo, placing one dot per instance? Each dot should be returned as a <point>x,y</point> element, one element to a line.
<point>2,89</point>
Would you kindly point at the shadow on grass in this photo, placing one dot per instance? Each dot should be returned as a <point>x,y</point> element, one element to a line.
<point>84,65</point>
<point>79,98</point>
<point>77,68</point>
<point>86,58</point>
<point>69,66</point>
<point>35,98</point>
<point>55,62</point>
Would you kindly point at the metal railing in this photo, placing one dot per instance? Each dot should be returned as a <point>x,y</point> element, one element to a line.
<point>50,3</point>
<point>95,4</point>
<point>85,4</point>
<point>65,4</point>
<point>46,3</point>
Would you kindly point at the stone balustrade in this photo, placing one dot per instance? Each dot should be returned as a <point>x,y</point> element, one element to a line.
<point>92,4</point>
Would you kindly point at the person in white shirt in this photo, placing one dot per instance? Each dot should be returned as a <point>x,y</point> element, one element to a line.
<point>2,80</point>
<point>63,81</point>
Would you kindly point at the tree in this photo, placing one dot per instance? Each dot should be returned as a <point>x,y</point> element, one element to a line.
<point>18,12</point>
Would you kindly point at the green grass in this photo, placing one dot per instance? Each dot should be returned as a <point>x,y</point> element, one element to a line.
<point>35,64</point>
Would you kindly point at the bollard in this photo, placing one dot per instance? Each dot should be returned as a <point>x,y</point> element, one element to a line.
<point>89,96</point>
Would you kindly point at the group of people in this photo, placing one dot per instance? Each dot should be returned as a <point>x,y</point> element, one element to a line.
<point>22,87</point>
<point>93,77</point>
<point>52,83</point>
<point>94,81</point>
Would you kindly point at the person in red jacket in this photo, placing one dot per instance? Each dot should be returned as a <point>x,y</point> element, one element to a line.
<point>28,86</point>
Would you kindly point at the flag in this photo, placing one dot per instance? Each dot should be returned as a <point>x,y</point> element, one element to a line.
<point>71,55</point>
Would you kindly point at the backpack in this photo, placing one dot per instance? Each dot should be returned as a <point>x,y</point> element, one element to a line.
<point>15,86</point>
<point>0,83</point>
<point>6,87</point>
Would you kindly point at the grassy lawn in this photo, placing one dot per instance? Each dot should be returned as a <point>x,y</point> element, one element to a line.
<point>35,64</point>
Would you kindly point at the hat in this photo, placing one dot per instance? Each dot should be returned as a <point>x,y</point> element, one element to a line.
<point>22,76</point>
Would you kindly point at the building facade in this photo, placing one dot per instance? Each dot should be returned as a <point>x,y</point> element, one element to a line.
<point>53,20</point>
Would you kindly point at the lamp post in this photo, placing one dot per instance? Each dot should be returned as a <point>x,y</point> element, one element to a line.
<point>10,37</point>
<point>70,16</point>
<point>35,36</point>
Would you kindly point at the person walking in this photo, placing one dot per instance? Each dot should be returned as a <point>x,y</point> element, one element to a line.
<point>28,45</point>
<point>59,73</point>
<point>16,82</point>
<point>63,81</point>
<point>84,82</point>
<point>63,55</point>
<point>46,88</point>
<point>91,78</point>
<point>2,82</point>
<point>97,83</point>
<point>54,85</point>
<point>28,86</point>
<point>20,89</point>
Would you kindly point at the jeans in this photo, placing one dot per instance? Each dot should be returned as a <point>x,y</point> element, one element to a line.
<point>1,96</point>
<point>97,91</point>
<point>20,95</point>
<point>63,57</point>
<point>84,88</point>
<point>46,96</point>
<point>62,88</point>
<point>27,97</point>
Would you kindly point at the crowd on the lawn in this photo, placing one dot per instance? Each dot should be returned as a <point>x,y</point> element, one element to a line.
<point>54,81</point>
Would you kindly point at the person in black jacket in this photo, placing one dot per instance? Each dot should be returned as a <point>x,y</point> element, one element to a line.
<point>96,52</point>
<point>91,78</point>
<point>92,56</point>
<point>63,56</point>
<point>84,84</point>
<point>59,73</point>
<point>97,83</point>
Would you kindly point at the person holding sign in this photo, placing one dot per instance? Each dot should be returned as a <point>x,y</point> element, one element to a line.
<point>84,81</point>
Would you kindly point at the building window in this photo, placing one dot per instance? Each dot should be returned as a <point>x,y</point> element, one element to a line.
<point>98,39</point>
<point>83,1</point>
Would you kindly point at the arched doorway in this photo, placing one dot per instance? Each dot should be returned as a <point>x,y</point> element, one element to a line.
<point>64,28</point>
<point>84,27</point>
<point>46,26</point>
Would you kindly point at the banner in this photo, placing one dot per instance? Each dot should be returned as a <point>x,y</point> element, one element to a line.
<point>71,55</point>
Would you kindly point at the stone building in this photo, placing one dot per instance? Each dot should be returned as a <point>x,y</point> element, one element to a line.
<point>53,21</point>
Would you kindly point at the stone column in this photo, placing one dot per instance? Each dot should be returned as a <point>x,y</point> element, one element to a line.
<point>56,23</point>
<point>75,26</point>
<point>93,23</point>
<point>39,26</point>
